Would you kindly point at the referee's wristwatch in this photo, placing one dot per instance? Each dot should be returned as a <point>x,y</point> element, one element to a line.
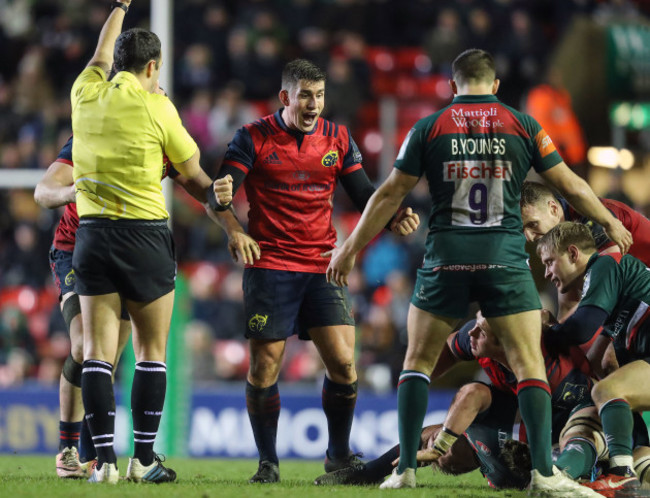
<point>119,5</point>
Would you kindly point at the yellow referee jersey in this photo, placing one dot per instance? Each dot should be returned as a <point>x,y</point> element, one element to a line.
<point>120,133</point>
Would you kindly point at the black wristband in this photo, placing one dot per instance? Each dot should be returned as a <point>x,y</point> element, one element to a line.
<point>115,4</point>
<point>212,200</point>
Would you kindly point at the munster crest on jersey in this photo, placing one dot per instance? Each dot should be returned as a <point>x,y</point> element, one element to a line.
<point>330,158</point>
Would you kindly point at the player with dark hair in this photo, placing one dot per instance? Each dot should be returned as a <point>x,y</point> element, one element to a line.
<point>541,210</point>
<point>615,295</point>
<point>289,163</point>
<point>475,154</point>
<point>123,249</point>
<point>56,189</point>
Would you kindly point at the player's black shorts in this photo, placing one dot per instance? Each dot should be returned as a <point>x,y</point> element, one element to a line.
<point>279,303</point>
<point>135,258</point>
<point>62,272</point>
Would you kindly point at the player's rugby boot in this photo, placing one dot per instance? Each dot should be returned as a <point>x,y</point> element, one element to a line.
<point>352,460</point>
<point>266,473</point>
<point>68,465</point>
<point>356,475</point>
<point>155,473</point>
<point>396,481</point>
<point>108,473</point>
<point>618,482</point>
<point>559,484</point>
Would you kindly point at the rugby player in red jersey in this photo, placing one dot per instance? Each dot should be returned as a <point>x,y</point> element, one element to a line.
<point>289,163</point>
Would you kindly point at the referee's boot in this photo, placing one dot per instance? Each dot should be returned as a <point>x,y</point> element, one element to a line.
<point>154,473</point>
<point>267,472</point>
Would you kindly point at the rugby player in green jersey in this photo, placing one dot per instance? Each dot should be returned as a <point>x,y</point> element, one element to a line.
<point>615,295</point>
<point>475,154</point>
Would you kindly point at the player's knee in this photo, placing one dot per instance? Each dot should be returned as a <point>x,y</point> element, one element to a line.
<point>605,390</point>
<point>342,372</point>
<point>71,308</point>
<point>72,371</point>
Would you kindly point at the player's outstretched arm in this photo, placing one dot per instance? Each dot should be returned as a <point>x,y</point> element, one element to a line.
<point>103,56</point>
<point>582,198</point>
<point>56,188</point>
<point>380,208</point>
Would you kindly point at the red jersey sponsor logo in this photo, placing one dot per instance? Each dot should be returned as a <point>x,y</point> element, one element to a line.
<point>461,170</point>
<point>544,143</point>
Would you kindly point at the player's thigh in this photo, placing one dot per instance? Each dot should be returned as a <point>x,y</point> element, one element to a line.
<point>335,344</point>
<point>426,338</point>
<point>125,333</point>
<point>272,301</point>
<point>151,321</point>
<point>324,305</point>
<point>101,325</point>
<point>629,382</point>
<point>265,361</point>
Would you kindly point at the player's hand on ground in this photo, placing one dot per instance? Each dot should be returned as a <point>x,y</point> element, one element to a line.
<point>619,235</point>
<point>243,246</point>
<point>223,190</point>
<point>424,457</point>
<point>405,222</point>
<point>340,266</point>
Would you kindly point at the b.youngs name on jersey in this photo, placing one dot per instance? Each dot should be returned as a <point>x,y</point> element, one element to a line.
<point>476,118</point>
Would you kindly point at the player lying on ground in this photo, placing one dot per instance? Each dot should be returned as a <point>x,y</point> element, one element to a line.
<point>489,415</point>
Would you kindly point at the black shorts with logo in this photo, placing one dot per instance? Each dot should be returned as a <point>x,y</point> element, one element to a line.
<point>279,303</point>
<point>135,258</point>
<point>62,272</point>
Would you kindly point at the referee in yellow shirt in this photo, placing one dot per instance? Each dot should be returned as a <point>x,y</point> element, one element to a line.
<point>124,249</point>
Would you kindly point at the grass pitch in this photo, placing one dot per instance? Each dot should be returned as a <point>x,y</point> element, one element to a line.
<point>34,476</point>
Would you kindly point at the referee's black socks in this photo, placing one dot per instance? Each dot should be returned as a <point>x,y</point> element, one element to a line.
<point>147,400</point>
<point>99,403</point>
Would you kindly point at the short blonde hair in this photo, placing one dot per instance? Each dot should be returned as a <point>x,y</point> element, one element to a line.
<point>565,234</point>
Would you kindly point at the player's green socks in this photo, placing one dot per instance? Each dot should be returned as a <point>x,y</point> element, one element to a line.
<point>412,401</point>
<point>617,421</point>
<point>577,458</point>
<point>534,397</point>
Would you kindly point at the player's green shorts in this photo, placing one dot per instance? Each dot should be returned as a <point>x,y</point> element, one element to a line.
<point>499,290</point>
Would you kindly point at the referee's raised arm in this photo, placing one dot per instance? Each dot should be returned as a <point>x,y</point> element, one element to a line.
<point>103,56</point>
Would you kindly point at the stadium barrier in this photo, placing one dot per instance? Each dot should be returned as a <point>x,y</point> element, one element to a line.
<point>217,425</point>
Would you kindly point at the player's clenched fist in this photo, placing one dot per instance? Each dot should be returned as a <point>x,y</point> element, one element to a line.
<point>223,190</point>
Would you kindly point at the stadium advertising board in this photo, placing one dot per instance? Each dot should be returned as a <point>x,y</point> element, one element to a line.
<point>218,423</point>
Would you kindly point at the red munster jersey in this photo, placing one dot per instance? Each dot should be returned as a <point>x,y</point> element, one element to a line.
<point>635,222</point>
<point>64,237</point>
<point>568,374</point>
<point>290,182</point>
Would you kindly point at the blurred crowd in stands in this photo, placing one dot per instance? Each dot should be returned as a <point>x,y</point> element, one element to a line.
<point>227,59</point>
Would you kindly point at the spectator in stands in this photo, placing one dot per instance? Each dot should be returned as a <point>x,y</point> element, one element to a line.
<point>550,104</point>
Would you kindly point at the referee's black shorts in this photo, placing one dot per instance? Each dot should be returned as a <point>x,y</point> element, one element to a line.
<point>135,258</point>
